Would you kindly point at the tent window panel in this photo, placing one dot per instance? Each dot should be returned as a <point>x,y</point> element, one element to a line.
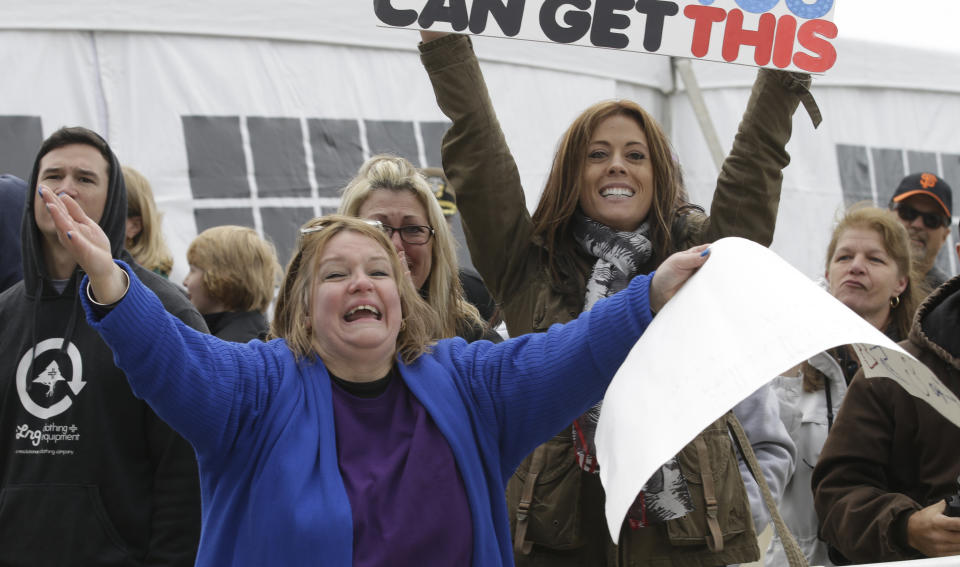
<point>281,224</point>
<point>20,138</point>
<point>209,218</point>
<point>392,137</point>
<point>432,135</point>
<point>887,172</point>
<point>854,173</point>
<point>921,161</point>
<point>279,163</point>
<point>337,153</point>
<point>217,167</point>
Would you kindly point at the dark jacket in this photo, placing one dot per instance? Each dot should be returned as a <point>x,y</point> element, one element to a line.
<point>89,475</point>
<point>890,454</point>
<point>12,196</point>
<point>237,326</point>
<point>566,518</point>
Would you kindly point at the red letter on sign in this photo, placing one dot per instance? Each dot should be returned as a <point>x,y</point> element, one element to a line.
<point>734,36</point>
<point>808,38</point>
<point>783,44</point>
<point>704,18</point>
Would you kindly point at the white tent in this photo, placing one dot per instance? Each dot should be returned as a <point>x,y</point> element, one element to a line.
<point>255,113</point>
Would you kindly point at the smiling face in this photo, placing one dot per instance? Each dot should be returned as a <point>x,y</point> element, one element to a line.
<point>355,309</point>
<point>862,275</point>
<point>617,183</point>
<point>79,170</point>
<point>399,208</point>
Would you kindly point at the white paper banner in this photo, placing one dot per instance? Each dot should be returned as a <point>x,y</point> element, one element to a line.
<point>744,318</point>
<point>787,34</point>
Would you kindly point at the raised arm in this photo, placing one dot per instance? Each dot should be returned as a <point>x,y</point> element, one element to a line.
<point>747,195</point>
<point>479,166</point>
<point>198,384</point>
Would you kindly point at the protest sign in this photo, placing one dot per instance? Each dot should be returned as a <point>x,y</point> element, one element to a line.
<point>743,318</point>
<point>784,34</point>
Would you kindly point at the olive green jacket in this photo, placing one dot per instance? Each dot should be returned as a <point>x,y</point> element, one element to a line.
<point>498,228</point>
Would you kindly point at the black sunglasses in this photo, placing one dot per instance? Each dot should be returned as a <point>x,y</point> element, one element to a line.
<point>930,220</point>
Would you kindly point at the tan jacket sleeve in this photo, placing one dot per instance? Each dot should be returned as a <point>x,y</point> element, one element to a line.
<point>747,195</point>
<point>479,166</point>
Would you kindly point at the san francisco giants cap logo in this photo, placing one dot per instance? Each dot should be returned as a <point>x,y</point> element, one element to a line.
<point>928,180</point>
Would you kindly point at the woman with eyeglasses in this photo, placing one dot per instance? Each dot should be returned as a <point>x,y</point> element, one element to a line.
<point>869,270</point>
<point>389,189</point>
<point>353,438</point>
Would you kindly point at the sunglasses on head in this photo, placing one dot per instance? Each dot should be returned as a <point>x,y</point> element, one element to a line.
<point>930,220</point>
<point>321,226</point>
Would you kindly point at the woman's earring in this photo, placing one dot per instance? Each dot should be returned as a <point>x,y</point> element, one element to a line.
<point>894,302</point>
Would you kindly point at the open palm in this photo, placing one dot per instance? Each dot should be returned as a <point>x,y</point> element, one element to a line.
<point>82,238</point>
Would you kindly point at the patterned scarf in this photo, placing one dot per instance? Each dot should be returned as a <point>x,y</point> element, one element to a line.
<point>619,257</point>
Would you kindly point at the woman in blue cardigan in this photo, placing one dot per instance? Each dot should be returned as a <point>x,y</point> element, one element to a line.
<point>351,438</point>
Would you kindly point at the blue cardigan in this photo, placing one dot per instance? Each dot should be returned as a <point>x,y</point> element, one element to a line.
<point>262,422</point>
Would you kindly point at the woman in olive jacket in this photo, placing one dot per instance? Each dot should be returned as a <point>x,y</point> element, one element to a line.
<point>613,207</point>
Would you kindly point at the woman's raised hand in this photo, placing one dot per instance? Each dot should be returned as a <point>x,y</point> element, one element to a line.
<point>89,246</point>
<point>674,272</point>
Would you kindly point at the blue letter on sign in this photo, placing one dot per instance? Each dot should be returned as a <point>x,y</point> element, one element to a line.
<point>800,8</point>
<point>810,11</point>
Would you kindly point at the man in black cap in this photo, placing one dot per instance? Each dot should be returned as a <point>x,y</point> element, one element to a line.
<point>923,202</point>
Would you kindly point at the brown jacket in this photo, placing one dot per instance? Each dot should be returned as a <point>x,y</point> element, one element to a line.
<point>566,520</point>
<point>890,454</point>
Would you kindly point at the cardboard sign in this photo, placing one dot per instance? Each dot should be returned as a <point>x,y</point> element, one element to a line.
<point>783,34</point>
<point>743,318</point>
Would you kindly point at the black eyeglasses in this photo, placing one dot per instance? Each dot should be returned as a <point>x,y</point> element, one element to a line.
<point>930,220</point>
<point>410,234</point>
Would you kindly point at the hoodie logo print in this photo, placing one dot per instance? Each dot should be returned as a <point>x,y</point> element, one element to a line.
<point>50,376</point>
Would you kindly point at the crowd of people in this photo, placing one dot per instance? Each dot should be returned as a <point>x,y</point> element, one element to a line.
<point>378,418</point>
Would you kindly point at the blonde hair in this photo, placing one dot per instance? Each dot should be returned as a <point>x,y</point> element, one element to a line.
<point>291,320</point>
<point>148,248</point>
<point>240,269</point>
<point>896,243</point>
<point>444,292</point>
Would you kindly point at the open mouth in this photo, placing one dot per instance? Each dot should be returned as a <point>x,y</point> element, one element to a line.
<point>363,312</point>
<point>618,192</point>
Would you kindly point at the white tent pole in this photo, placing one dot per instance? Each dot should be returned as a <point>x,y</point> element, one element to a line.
<point>685,70</point>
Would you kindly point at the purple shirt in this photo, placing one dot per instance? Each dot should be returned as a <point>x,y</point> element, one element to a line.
<point>407,498</point>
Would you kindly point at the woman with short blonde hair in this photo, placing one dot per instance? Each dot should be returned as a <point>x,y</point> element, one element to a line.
<point>233,273</point>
